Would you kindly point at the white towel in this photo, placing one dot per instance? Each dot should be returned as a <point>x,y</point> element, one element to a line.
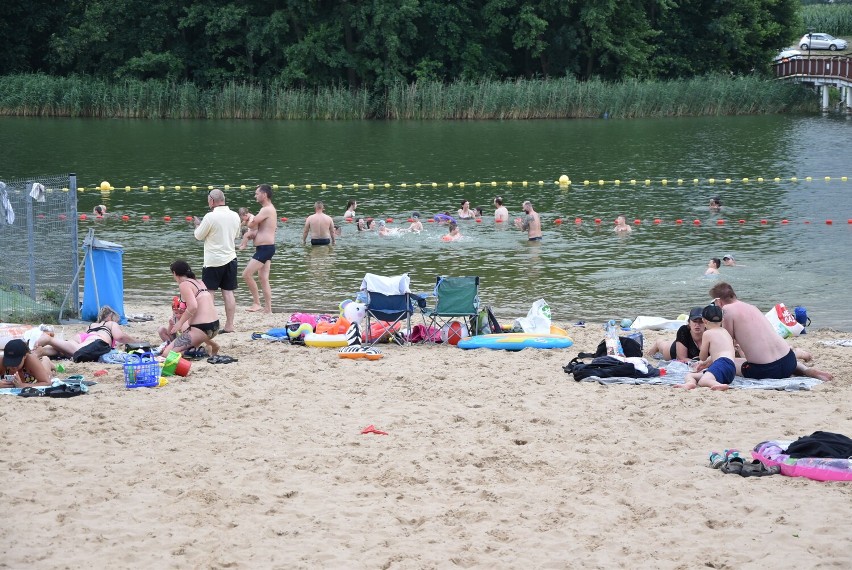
<point>6,204</point>
<point>37,193</point>
<point>394,285</point>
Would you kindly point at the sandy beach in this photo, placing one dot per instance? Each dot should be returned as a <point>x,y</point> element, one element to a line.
<point>492,460</point>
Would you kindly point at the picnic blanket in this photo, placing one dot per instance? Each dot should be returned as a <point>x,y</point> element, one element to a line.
<point>847,342</point>
<point>71,381</point>
<point>676,374</point>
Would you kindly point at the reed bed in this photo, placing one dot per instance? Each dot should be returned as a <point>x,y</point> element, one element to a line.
<point>42,95</point>
<point>834,19</point>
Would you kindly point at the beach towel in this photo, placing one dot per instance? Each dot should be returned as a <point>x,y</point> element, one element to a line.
<point>393,285</point>
<point>676,374</point>
<point>846,342</point>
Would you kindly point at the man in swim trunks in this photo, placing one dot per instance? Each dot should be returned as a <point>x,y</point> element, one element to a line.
<point>218,230</point>
<point>716,369</point>
<point>767,354</point>
<point>530,223</point>
<point>265,223</point>
<point>320,226</point>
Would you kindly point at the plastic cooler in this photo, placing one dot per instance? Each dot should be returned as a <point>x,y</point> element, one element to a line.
<point>141,371</point>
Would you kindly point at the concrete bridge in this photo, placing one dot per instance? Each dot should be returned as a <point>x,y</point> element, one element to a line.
<point>821,72</point>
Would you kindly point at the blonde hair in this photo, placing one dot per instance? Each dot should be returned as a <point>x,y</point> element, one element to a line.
<point>106,311</point>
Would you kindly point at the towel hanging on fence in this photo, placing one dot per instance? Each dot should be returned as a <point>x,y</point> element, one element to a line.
<point>6,205</point>
<point>37,193</point>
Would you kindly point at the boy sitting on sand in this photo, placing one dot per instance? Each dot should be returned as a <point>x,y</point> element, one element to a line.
<point>716,369</point>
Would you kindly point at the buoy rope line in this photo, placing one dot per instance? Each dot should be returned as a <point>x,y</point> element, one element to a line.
<point>563,182</point>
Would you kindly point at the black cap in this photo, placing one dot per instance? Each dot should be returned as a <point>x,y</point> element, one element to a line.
<point>695,313</point>
<point>14,353</point>
<point>712,314</point>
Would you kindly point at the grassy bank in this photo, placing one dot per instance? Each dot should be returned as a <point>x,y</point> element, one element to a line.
<point>41,95</point>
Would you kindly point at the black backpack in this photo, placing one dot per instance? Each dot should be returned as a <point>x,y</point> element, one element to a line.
<point>630,346</point>
<point>602,367</point>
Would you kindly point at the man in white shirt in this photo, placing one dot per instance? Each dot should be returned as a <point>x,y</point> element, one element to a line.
<point>218,230</point>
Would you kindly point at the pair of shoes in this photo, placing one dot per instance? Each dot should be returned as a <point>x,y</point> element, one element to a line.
<point>221,359</point>
<point>195,353</point>
<point>30,392</point>
<point>223,331</point>
<point>758,469</point>
<point>64,391</point>
<point>580,324</point>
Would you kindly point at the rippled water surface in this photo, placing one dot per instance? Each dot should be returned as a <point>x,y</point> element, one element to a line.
<point>583,270</point>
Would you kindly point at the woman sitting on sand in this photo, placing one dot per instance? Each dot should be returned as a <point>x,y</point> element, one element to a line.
<point>200,312</point>
<point>687,343</point>
<point>88,346</point>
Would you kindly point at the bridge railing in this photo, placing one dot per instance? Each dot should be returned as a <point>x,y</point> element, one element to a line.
<point>815,68</point>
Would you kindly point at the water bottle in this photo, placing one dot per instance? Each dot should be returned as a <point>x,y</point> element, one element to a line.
<point>613,344</point>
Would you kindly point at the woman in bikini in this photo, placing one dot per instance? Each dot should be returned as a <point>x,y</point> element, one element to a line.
<point>88,346</point>
<point>465,213</point>
<point>200,312</point>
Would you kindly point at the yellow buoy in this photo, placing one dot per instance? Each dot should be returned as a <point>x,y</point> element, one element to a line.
<point>434,185</point>
<point>177,187</point>
<point>564,179</point>
<point>105,185</point>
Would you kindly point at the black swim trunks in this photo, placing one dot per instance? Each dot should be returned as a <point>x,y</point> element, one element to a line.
<point>223,277</point>
<point>535,239</point>
<point>324,241</point>
<point>781,368</point>
<point>263,253</point>
<point>210,329</point>
<point>91,352</point>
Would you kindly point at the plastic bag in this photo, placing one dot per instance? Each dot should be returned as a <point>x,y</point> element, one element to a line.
<point>537,320</point>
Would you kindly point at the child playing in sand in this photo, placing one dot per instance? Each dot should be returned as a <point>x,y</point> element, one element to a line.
<point>716,369</point>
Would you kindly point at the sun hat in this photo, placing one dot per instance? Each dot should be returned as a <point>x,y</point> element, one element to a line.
<point>695,313</point>
<point>14,353</point>
<point>712,314</point>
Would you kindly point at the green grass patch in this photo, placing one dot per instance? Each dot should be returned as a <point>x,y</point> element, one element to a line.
<point>834,19</point>
<point>42,95</point>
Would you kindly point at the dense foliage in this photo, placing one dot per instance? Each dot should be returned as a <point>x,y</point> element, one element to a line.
<point>378,44</point>
<point>835,19</point>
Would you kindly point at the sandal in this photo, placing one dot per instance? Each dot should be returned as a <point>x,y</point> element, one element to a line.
<point>733,465</point>
<point>758,469</point>
<point>30,392</point>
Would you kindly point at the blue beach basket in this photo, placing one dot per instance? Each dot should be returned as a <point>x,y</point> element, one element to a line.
<point>141,371</point>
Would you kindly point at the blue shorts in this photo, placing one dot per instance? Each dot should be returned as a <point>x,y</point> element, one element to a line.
<point>723,369</point>
<point>263,253</point>
<point>781,368</point>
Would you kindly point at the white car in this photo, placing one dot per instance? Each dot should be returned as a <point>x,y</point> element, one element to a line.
<point>787,54</point>
<point>822,41</point>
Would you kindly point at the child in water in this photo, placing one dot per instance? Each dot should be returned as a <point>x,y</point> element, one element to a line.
<point>453,233</point>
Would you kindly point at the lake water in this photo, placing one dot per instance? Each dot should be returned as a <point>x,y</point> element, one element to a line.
<point>585,271</point>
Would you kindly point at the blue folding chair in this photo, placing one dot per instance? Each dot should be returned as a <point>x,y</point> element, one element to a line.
<point>390,303</point>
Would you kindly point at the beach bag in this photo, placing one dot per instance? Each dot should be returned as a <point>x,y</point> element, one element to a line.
<point>602,367</point>
<point>486,322</point>
<point>630,346</point>
<point>537,320</point>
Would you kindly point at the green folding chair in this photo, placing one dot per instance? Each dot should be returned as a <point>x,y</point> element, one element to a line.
<point>457,298</point>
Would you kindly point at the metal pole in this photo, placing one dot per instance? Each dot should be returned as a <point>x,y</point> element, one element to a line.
<point>30,244</point>
<point>72,203</point>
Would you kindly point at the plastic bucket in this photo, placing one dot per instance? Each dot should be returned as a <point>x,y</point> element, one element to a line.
<point>175,364</point>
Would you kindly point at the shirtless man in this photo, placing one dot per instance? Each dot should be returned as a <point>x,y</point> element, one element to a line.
<point>320,226</point>
<point>767,354</point>
<point>621,225</point>
<point>264,224</point>
<point>501,214</point>
<point>530,223</point>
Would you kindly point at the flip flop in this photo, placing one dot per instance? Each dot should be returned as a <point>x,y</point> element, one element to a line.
<point>223,331</point>
<point>221,359</point>
<point>758,469</point>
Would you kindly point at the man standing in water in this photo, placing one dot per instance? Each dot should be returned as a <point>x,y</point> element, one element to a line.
<point>320,226</point>
<point>265,223</point>
<point>218,230</point>
<point>501,214</point>
<point>530,223</point>
<point>767,355</point>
